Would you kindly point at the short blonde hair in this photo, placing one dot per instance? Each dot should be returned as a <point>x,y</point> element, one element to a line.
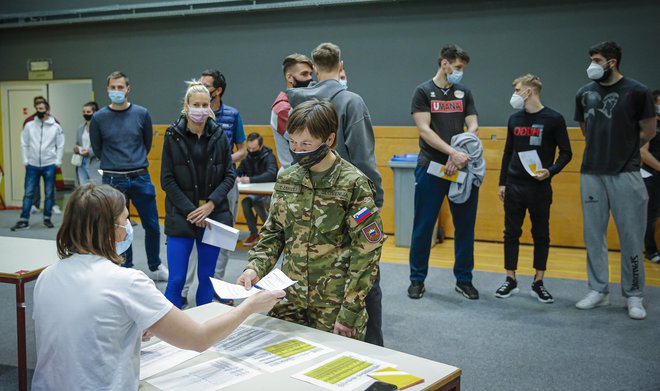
<point>529,80</point>
<point>195,87</point>
<point>88,226</point>
<point>326,57</point>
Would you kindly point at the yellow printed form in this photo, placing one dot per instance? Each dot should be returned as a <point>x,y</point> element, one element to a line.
<point>533,168</point>
<point>289,348</point>
<point>339,369</point>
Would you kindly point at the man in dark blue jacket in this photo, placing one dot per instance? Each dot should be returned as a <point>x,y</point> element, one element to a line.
<point>260,166</point>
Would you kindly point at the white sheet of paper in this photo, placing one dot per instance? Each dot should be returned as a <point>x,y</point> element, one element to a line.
<point>220,235</point>
<point>530,161</point>
<point>245,339</point>
<point>338,381</point>
<point>274,280</point>
<point>162,356</point>
<point>211,375</point>
<point>438,170</point>
<point>645,174</point>
<point>282,354</point>
<point>228,290</point>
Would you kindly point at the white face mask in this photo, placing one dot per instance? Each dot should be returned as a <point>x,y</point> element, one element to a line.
<point>343,82</point>
<point>598,72</point>
<point>517,101</point>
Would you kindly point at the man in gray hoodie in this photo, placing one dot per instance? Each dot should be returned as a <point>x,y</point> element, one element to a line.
<point>355,143</point>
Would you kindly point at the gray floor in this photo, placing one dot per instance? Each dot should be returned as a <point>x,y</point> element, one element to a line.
<point>500,344</point>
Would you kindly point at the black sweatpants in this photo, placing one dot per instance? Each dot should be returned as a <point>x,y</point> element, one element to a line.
<point>535,198</point>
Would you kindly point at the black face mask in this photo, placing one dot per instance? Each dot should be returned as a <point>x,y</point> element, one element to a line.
<point>300,83</point>
<point>88,117</point>
<point>41,114</point>
<point>254,154</point>
<point>312,158</point>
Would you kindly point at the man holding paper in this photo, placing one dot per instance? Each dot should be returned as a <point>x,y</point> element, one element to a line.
<point>528,164</point>
<point>324,219</point>
<point>440,108</point>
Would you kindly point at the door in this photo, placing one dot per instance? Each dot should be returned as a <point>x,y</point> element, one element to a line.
<point>17,105</point>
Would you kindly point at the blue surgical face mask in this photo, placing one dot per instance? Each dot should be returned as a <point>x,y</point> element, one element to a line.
<point>455,77</point>
<point>117,97</point>
<point>343,82</point>
<point>126,243</point>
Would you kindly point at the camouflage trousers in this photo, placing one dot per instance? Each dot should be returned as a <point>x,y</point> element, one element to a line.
<point>320,318</point>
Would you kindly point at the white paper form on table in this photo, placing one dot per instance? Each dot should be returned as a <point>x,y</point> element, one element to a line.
<point>211,375</point>
<point>161,356</point>
<point>220,235</point>
<point>272,281</point>
<point>530,161</point>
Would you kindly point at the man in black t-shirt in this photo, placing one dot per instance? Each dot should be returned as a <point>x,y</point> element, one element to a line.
<point>441,108</point>
<point>537,128</point>
<point>617,117</point>
<point>651,161</point>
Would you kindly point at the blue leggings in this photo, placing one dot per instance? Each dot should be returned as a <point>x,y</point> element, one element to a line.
<point>178,256</point>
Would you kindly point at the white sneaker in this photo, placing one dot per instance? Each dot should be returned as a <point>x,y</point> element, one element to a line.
<point>655,257</point>
<point>160,274</point>
<point>56,210</point>
<point>34,210</point>
<point>636,308</point>
<point>593,299</point>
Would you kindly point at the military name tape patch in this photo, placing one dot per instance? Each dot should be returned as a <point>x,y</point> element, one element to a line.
<point>372,233</point>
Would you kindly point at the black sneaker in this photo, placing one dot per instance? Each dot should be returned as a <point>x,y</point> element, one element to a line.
<point>416,290</point>
<point>538,291</point>
<point>48,224</point>
<point>21,225</point>
<point>507,289</point>
<point>468,290</point>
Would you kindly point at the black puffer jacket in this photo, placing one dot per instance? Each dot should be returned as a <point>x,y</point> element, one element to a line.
<point>178,178</point>
<point>260,168</point>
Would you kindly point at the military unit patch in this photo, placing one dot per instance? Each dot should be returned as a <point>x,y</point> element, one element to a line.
<point>372,233</point>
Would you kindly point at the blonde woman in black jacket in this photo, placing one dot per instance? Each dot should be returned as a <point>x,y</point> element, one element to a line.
<point>196,175</point>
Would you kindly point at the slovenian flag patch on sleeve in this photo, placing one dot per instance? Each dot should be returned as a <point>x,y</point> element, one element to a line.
<point>362,215</point>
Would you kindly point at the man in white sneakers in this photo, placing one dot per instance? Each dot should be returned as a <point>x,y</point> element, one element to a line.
<point>617,117</point>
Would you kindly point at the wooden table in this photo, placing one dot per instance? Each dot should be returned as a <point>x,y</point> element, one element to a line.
<point>22,261</point>
<point>265,188</point>
<point>437,376</point>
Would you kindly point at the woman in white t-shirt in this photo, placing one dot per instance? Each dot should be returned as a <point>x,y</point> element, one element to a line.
<point>90,312</point>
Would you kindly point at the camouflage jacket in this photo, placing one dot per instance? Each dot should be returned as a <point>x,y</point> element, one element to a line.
<point>331,236</point>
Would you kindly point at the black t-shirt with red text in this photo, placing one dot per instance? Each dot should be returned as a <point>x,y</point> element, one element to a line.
<point>611,116</point>
<point>543,132</point>
<point>448,108</point>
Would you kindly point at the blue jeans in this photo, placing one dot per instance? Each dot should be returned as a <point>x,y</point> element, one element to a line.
<point>83,171</point>
<point>430,191</point>
<point>178,256</point>
<point>142,193</point>
<point>32,175</point>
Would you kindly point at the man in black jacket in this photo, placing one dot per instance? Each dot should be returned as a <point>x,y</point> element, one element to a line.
<point>260,166</point>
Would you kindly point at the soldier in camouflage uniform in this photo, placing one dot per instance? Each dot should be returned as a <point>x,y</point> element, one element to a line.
<point>323,217</point>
